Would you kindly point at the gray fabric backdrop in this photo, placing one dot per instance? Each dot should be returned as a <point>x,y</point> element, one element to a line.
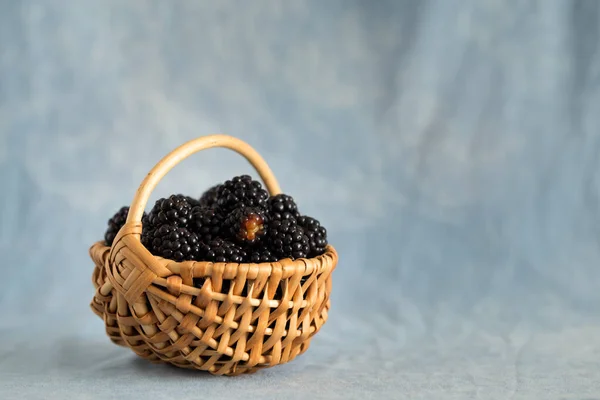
<point>451,148</point>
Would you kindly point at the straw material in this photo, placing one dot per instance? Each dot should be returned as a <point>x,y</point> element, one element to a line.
<point>225,318</point>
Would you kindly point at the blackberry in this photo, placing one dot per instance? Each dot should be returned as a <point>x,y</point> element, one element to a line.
<point>246,225</point>
<point>115,224</point>
<point>282,207</point>
<point>317,235</point>
<point>206,222</point>
<point>220,250</point>
<point>175,210</point>
<point>193,202</point>
<point>241,191</point>
<point>287,239</point>
<point>210,198</point>
<point>261,255</point>
<point>172,242</point>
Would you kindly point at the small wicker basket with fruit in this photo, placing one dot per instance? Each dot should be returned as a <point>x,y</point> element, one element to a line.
<point>229,283</point>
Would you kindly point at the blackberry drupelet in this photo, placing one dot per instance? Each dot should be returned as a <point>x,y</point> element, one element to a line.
<point>220,250</point>
<point>175,210</point>
<point>210,197</point>
<point>282,207</point>
<point>317,235</point>
<point>172,242</point>
<point>115,224</point>
<point>261,255</point>
<point>287,239</point>
<point>193,202</point>
<point>246,225</point>
<point>206,222</point>
<point>241,191</point>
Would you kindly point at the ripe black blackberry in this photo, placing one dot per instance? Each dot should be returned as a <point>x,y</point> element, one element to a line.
<point>210,197</point>
<point>287,239</point>
<point>193,202</point>
<point>115,224</point>
<point>175,210</point>
<point>206,222</point>
<point>261,255</point>
<point>245,225</point>
<point>172,242</point>
<point>282,207</point>
<point>241,191</point>
<point>317,235</point>
<point>220,250</point>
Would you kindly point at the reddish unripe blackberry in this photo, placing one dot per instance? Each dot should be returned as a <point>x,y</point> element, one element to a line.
<point>241,191</point>
<point>287,239</point>
<point>172,242</point>
<point>317,235</point>
<point>282,207</point>
<point>220,250</point>
<point>206,222</point>
<point>246,225</point>
<point>175,210</point>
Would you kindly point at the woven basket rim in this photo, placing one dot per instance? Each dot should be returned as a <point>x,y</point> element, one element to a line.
<point>230,270</point>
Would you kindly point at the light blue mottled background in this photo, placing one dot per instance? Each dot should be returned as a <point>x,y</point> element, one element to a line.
<point>450,147</point>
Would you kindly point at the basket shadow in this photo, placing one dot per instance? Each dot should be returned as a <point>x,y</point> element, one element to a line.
<point>100,357</point>
<point>163,371</point>
<point>130,363</point>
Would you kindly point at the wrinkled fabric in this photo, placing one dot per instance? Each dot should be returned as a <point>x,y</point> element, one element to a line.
<point>450,148</point>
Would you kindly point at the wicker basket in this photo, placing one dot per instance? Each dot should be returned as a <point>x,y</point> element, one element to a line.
<point>232,322</point>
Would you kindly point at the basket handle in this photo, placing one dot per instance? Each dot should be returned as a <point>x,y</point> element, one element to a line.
<point>187,149</point>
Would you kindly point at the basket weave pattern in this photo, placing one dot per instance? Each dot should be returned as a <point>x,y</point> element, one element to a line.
<point>225,318</point>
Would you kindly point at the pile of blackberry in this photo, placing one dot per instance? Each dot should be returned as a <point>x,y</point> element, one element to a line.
<point>235,221</point>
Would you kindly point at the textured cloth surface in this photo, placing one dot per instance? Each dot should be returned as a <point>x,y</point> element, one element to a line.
<point>341,364</point>
<point>450,147</point>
